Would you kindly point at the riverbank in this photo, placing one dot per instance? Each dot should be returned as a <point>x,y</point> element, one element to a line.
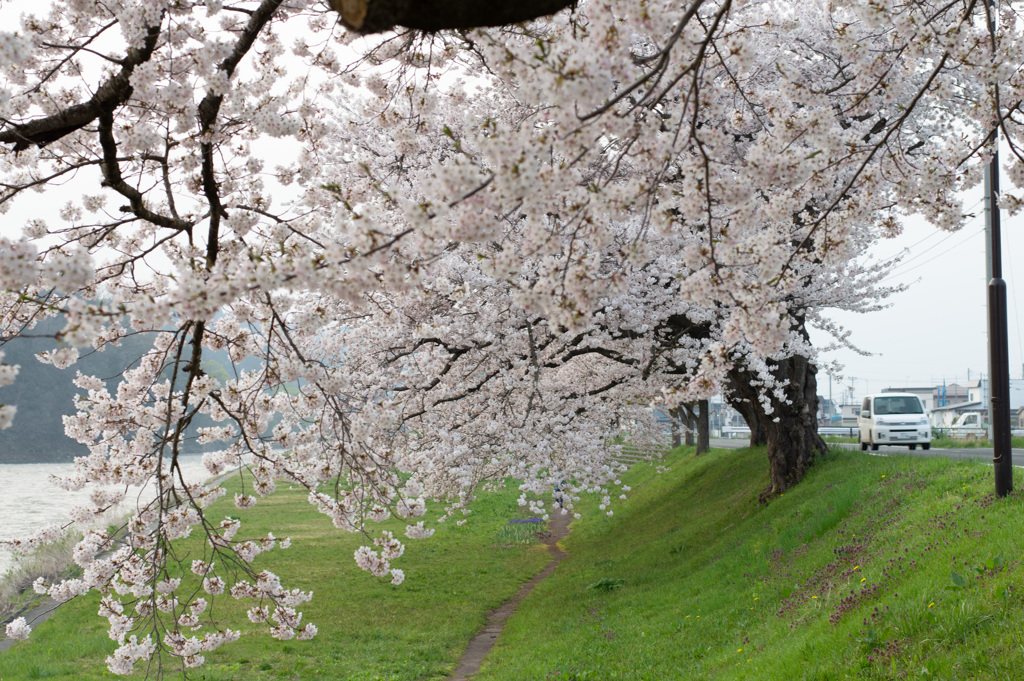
<point>873,567</point>
<point>29,500</point>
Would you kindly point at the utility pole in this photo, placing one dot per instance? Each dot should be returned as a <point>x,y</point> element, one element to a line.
<point>998,346</point>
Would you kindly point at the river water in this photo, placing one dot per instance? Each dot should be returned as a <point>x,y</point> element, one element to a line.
<point>29,501</point>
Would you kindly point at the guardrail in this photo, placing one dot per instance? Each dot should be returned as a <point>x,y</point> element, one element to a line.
<point>742,432</point>
<point>842,431</point>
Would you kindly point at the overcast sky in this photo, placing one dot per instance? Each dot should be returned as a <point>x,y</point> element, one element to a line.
<point>937,329</point>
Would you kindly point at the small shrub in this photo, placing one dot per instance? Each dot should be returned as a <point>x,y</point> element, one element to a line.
<point>50,561</point>
<point>607,584</point>
<point>518,534</point>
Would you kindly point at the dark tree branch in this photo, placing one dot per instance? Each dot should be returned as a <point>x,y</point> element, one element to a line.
<point>109,96</point>
<point>112,178</point>
<point>377,16</point>
<point>209,109</point>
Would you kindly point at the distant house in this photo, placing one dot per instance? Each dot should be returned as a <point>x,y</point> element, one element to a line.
<point>827,411</point>
<point>943,417</point>
<point>850,413</point>
<point>1016,394</point>
<point>977,390</point>
<point>954,393</point>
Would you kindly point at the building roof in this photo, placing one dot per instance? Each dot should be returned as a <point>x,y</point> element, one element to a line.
<point>908,390</point>
<point>962,406</point>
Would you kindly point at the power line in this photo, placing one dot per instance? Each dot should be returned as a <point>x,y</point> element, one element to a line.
<point>935,232</point>
<point>900,271</point>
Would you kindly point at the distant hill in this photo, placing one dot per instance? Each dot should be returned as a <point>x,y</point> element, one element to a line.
<point>43,394</point>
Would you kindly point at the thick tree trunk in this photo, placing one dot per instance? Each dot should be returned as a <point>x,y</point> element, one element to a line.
<point>752,414</point>
<point>703,428</point>
<point>698,426</point>
<point>376,16</point>
<point>689,421</point>
<point>675,417</point>
<point>791,429</point>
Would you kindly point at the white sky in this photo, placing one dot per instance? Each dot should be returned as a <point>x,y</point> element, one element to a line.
<point>937,329</point>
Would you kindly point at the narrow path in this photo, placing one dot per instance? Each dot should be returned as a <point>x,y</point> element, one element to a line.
<point>481,644</point>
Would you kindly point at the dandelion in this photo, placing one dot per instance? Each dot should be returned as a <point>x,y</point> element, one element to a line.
<point>931,604</point>
<point>864,579</point>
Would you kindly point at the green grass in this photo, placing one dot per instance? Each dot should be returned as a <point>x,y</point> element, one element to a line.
<point>369,630</point>
<point>838,439</point>
<point>1016,442</point>
<point>872,568</point>
<point>847,576</point>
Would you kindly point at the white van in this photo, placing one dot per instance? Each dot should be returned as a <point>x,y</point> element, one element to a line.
<point>893,419</point>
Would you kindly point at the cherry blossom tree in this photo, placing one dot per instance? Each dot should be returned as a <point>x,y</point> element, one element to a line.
<point>455,255</point>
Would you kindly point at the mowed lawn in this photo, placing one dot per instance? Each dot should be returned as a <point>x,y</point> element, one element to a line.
<point>369,630</point>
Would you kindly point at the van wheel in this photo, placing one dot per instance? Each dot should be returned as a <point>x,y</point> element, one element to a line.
<point>863,446</point>
<point>874,446</point>
<point>926,446</point>
<point>912,447</point>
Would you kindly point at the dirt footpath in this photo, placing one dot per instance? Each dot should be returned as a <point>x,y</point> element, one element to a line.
<point>482,643</point>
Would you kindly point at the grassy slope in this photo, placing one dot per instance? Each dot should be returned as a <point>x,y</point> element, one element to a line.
<point>846,576</point>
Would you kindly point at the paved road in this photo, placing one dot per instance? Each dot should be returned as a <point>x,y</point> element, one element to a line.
<point>979,453</point>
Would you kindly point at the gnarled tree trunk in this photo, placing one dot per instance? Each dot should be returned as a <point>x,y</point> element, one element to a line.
<point>791,429</point>
<point>751,413</point>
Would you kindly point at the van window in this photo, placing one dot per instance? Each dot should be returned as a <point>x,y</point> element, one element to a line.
<point>898,405</point>
<point>867,405</point>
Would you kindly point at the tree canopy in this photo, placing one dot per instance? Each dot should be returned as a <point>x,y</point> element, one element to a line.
<point>451,252</point>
